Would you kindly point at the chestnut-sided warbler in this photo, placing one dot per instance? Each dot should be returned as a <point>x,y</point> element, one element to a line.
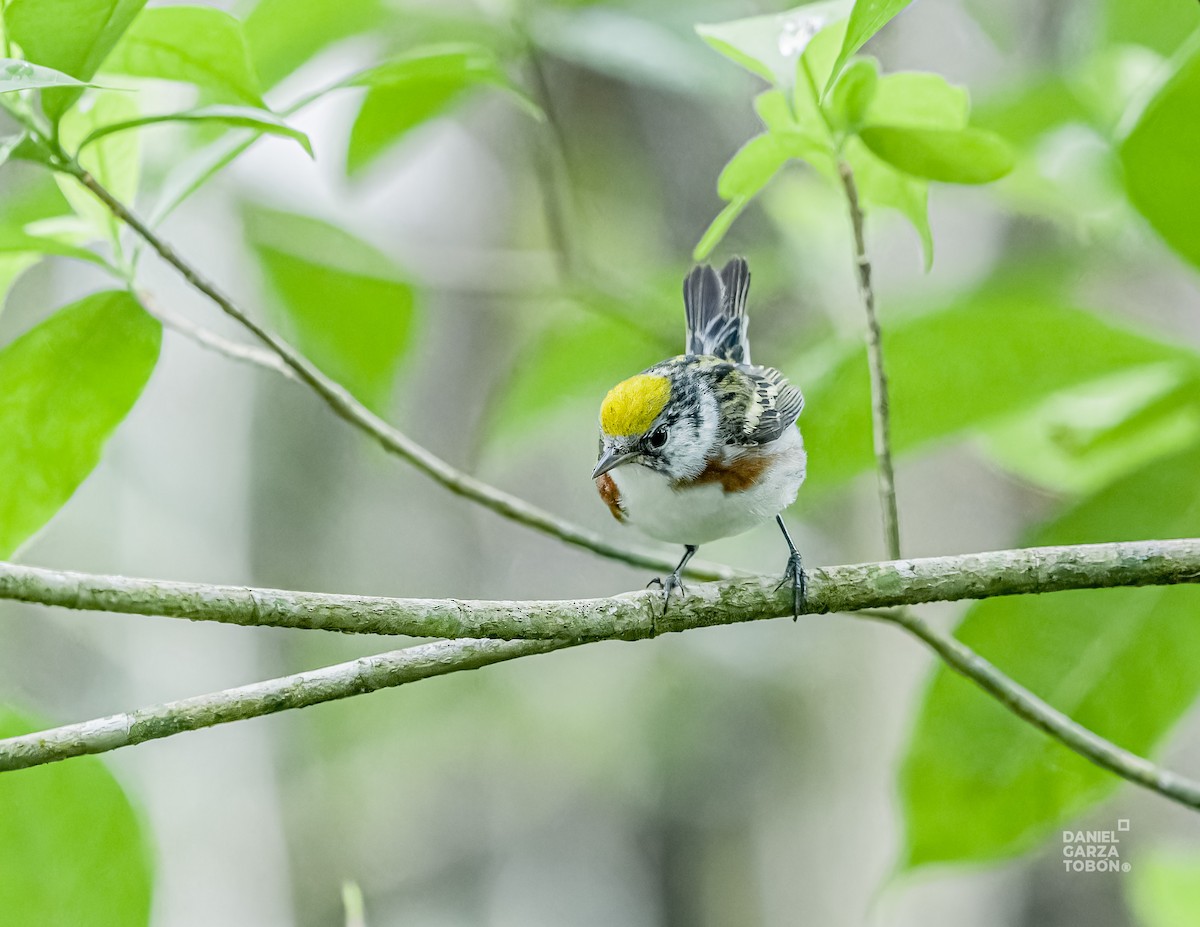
<point>705,445</point>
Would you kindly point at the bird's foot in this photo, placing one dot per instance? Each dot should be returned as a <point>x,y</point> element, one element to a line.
<point>673,582</point>
<point>794,573</point>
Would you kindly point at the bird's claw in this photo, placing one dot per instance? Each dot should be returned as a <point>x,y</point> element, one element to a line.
<point>794,573</point>
<point>672,583</point>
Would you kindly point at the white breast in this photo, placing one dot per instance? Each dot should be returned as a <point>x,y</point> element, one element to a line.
<point>705,512</point>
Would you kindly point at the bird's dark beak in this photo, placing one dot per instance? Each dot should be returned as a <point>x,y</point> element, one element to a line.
<point>612,457</point>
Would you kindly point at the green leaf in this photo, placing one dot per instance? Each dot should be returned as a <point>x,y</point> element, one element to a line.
<point>1159,156</point>
<point>464,63</point>
<point>16,75</point>
<point>283,34</point>
<point>64,387</point>
<point>917,99</point>
<point>72,36</point>
<point>988,367</point>
<point>1162,25</point>
<point>413,88</point>
<point>242,117</point>
<point>853,93</point>
<point>769,45</point>
<point>1163,888</point>
<point>344,304</point>
<point>20,241</point>
<point>1024,112</point>
<point>388,114</point>
<point>968,156</point>
<point>867,18</point>
<point>752,167</point>
<point>72,848</point>
<point>193,44</point>
<point>114,161</point>
<point>813,69</point>
<point>774,110</point>
<point>719,227</point>
<point>1124,663</point>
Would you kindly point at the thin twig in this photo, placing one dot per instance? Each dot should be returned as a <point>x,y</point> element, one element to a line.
<point>851,588</point>
<point>300,690</point>
<point>1042,569</point>
<point>243,353</point>
<point>879,384</point>
<point>1028,707</point>
<point>554,169</point>
<point>391,439</point>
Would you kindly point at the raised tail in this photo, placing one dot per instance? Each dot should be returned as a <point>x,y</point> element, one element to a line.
<point>715,306</point>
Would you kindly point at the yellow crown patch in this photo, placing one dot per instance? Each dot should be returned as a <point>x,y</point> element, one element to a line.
<point>632,405</point>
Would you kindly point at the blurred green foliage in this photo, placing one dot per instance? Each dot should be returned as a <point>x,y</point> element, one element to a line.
<point>1094,143</point>
<point>966,366</point>
<point>343,302</point>
<point>1124,663</point>
<point>194,44</point>
<point>1164,889</point>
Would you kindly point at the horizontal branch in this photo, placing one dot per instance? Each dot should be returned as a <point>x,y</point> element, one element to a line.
<point>631,615</point>
<point>391,439</point>
<point>837,588</point>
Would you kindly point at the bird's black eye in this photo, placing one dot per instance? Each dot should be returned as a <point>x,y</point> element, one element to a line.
<point>658,437</point>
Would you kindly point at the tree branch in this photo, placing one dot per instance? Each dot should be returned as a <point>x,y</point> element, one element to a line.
<point>391,439</point>
<point>864,586</point>
<point>880,414</point>
<point>629,616</point>
<point>242,353</point>
<point>1028,707</point>
<point>300,690</point>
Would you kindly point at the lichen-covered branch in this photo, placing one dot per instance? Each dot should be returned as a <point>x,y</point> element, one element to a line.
<point>391,439</point>
<point>385,670</point>
<point>865,587</point>
<point>628,616</point>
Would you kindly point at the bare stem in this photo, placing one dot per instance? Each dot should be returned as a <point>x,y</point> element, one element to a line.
<point>242,353</point>
<point>391,439</point>
<point>879,385</point>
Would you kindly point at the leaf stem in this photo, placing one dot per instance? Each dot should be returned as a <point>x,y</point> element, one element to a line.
<point>880,412</point>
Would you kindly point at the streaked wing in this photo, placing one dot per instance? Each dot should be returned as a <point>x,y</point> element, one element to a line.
<point>773,404</point>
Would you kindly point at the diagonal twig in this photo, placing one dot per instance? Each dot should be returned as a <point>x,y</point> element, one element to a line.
<point>390,438</point>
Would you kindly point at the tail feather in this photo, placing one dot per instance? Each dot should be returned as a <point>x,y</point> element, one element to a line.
<point>715,307</point>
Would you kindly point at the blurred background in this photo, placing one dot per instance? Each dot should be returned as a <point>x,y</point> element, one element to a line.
<point>494,275</point>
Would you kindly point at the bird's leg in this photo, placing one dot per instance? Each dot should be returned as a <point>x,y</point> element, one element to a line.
<point>793,573</point>
<point>675,580</point>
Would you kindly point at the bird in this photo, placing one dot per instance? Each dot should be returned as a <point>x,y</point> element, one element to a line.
<point>705,445</point>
